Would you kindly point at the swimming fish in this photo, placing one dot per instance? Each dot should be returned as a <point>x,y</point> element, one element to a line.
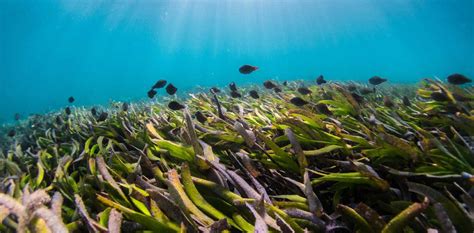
<point>71,99</point>
<point>102,117</point>
<point>451,109</point>
<point>151,93</point>
<point>461,98</point>
<point>269,84</point>
<point>232,86</point>
<point>285,83</point>
<point>323,108</point>
<point>247,69</point>
<point>171,89</point>
<point>357,97</point>
<point>17,116</point>
<point>94,111</point>
<point>406,101</point>
<point>214,90</point>
<point>458,79</point>
<point>68,111</point>
<point>59,120</point>
<point>235,94</point>
<point>376,80</point>
<point>439,96</point>
<point>320,80</point>
<point>366,91</point>
<point>277,89</point>
<point>173,105</point>
<point>351,87</point>
<point>304,91</point>
<point>160,84</point>
<point>387,102</point>
<point>125,106</point>
<point>254,94</point>
<point>298,101</point>
<point>11,133</point>
<point>200,117</point>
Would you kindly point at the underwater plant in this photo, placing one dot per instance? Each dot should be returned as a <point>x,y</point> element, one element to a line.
<point>344,161</point>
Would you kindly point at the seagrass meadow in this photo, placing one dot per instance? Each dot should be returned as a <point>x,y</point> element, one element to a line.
<point>399,159</point>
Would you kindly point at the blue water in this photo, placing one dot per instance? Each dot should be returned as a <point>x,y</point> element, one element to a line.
<point>99,51</point>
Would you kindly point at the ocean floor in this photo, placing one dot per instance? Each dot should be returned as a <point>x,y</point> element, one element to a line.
<point>292,157</point>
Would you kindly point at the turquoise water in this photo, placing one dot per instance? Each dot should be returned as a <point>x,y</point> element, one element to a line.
<point>99,51</point>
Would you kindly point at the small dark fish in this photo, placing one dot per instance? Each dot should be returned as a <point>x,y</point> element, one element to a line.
<point>232,86</point>
<point>254,94</point>
<point>458,79</point>
<point>68,111</point>
<point>247,69</point>
<point>214,90</point>
<point>125,106</point>
<point>173,105</point>
<point>160,84</point>
<point>235,94</point>
<point>439,96</point>
<point>461,98</point>
<point>357,97</point>
<point>323,108</point>
<point>304,91</point>
<point>366,91</point>
<point>376,80</point>
<point>285,83</point>
<point>406,101</point>
<point>94,111</point>
<point>387,102</point>
<point>277,89</point>
<point>11,133</point>
<point>171,89</point>
<point>351,87</point>
<point>320,80</point>
<point>298,101</point>
<point>71,99</point>
<point>451,109</point>
<point>17,116</point>
<point>200,117</point>
<point>269,84</point>
<point>59,120</point>
<point>103,116</point>
<point>151,93</point>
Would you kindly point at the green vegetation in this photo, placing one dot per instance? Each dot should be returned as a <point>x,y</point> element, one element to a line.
<point>377,165</point>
